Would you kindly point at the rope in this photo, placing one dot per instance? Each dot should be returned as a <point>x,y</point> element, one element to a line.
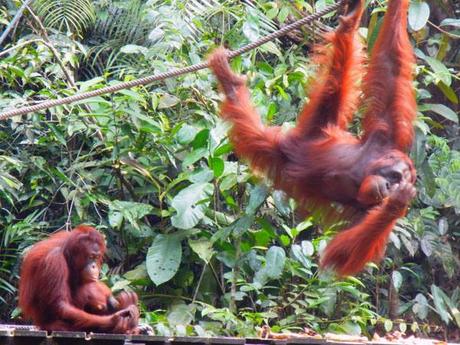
<point>173,73</point>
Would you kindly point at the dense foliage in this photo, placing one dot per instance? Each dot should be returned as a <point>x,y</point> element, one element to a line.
<point>210,248</point>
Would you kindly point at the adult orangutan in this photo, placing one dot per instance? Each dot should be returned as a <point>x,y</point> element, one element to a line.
<point>59,288</point>
<point>319,161</point>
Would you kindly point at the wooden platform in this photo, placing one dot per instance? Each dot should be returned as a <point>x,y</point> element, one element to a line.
<point>27,335</point>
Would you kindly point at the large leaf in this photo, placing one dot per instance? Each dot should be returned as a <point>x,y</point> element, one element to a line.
<point>203,248</point>
<point>74,16</point>
<point>419,12</point>
<point>440,70</point>
<point>274,261</point>
<point>439,302</point>
<point>131,211</point>
<point>274,264</point>
<point>397,279</point>
<point>181,314</point>
<point>257,197</point>
<point>190,204</point>
<point>163,258</point>
<point>442,110</point>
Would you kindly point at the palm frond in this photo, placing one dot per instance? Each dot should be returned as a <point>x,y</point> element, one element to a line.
<point>74,16</point>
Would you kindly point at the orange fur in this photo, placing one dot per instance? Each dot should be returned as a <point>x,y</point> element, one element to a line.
<point>391,109</point>
<point>319,162</point>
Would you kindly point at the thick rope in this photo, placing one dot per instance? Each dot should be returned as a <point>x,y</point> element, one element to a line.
<point>173,73</point>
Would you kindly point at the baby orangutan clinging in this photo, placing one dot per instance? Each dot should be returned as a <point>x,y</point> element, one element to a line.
<point>319,161</point>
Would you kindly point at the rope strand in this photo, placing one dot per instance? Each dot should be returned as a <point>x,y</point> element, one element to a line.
<point>173,73</point>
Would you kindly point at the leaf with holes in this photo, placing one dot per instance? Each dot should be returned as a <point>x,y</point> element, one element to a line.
<point>163,258</point>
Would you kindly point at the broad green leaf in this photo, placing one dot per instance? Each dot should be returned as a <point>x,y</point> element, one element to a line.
<point>203,248</point>
<point>444,111</point>
<point>226,148</point>
<point>300,256</point>
<point>388,325</point>
<point>228,182</point>
<point>440,304</point>
<point>194,156</point>
<point>307,248</point>
<point>133,49</point>
<point>201,139</point>
<point>186,134</point>
<point>397,279</point>
<point>190,204</point>
<point>163,258</point>
<point>181,314</point>
<point>138,273</point>
<point>128,210</point>
<point>451,22</point>
<point>448,92</point>
<point>403,327</point>
<point>274,262</point>
<point>270,47</point>
<point>257,197</point>
<point>281,202</point>
<point>217,165</point>
<point>282,15</point>
<point>440,70</point>
<point>426,245</point>
<point>419,12</point>
<point>168,101</point>
<point>443,226</point>
<point>242,225</point>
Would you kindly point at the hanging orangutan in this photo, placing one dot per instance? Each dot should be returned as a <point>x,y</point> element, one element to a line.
<point>319,161</point>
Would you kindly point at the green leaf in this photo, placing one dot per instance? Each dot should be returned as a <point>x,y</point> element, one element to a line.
<point>444,111</point>
<point>181,314</point>
<point>194,156</point>
<point>307,248</point>
<point>131,211</point>
<point>223,149</point>
<point>258,195</point>
<point>163,258</point>
<point>217,165</point>
<point>133,49</point>
<point>168,101</point>
<point>419,12</point>
<point>271,47</point>
<point>281,202</point>
<point>242,225</point>
<point>201,139</point>
<point>190,204</point>
<point>403,327</point>
<point>440,304</point>
<point>397,279</point>
<point>228,181</point>
<point>203,248</point>
<point>186,134</point>
<point>451,22</point>
<point>440,70</point>
<point>282,15</point>
<point>274,262</point>
<point>448,92</point>
<point>388,325</point>
<point>300,256</point>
